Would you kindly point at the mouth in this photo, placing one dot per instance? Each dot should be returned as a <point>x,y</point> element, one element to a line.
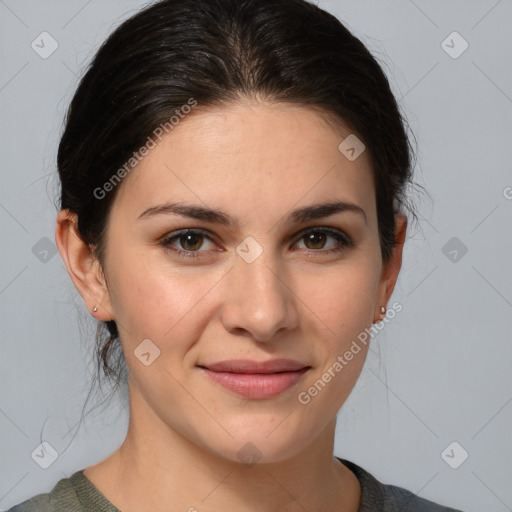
<point>256,379</point>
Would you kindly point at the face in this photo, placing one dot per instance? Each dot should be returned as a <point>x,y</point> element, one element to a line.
<point>257,282</point>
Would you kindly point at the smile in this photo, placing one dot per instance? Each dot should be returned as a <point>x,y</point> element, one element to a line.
<point>256,380</point>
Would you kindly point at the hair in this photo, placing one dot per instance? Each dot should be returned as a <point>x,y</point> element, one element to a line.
<point>219,52</point>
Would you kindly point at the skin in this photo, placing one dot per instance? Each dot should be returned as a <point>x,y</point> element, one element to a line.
<point>256,162</point>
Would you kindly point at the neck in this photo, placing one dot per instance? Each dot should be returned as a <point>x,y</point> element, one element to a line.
<point>156,466</point>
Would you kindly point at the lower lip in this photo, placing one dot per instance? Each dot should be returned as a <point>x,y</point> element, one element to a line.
<point>256,385</point>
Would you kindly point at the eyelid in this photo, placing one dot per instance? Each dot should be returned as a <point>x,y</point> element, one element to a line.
<point>167,238</point>
<point>334,232</point>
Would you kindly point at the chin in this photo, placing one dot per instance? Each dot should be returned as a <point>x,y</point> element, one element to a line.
<point>264,444</point>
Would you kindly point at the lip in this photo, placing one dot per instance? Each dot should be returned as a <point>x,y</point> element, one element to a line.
<point>256,379</point>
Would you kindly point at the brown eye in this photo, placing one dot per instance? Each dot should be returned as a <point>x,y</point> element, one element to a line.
<point>316,239</point>
<point>190,241</point>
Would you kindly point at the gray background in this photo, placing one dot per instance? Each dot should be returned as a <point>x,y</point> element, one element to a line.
<point>440,371</point>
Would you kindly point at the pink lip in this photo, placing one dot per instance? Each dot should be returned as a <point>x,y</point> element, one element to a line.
<point>253,379</point>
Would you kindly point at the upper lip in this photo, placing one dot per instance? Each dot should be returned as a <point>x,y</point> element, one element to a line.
<point>248,366</point>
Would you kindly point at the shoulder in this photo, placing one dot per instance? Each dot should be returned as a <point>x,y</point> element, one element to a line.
<point>63,496</point>
<point>38,503</point>
<point>376,496</point>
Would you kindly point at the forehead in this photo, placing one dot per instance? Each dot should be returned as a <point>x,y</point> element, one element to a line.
<point>249,158</point>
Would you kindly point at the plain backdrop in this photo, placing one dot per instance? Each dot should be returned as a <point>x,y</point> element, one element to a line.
<point>436,391</point>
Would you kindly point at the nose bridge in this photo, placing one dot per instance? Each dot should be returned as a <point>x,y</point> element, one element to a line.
<point>259,301</point>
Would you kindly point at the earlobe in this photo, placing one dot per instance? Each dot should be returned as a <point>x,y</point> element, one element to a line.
<point>82,265</point>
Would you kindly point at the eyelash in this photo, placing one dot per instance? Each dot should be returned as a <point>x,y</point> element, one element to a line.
<point>344,241</point>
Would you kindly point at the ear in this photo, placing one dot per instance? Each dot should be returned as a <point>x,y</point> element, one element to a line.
<point>83,267</point>
<point>391,268</point>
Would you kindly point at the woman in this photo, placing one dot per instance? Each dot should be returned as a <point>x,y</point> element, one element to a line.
<point>233,182</point>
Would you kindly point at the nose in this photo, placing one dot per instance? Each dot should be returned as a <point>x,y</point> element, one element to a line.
<point>259,302</point>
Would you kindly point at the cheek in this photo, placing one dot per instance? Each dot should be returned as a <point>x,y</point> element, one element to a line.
<point>340,307</point>
<point>341,299</point>
<point>158,301</point>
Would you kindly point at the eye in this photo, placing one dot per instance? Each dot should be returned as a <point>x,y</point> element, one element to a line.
<point>189,239</point>
<point>317,237</point>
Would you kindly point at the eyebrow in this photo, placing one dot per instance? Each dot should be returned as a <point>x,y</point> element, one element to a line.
<point>297,216</point>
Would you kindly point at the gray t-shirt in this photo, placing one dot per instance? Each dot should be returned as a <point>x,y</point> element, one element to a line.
<point>78,494</point>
